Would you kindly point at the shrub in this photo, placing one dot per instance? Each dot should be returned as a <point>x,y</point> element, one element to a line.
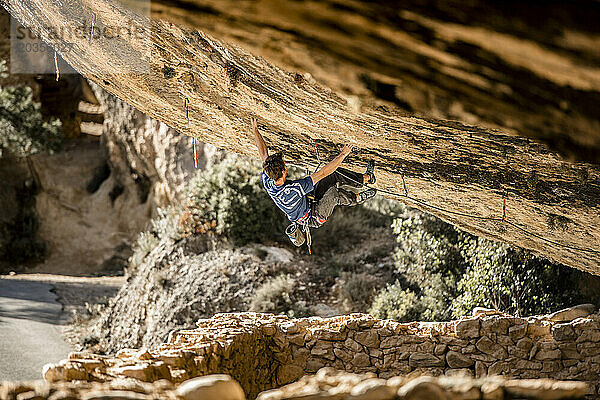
<point>430,260</point>
<point>514,281</point>
<point>397,303</point>
<point>445,273</point>
<point>230,200</point>
<point>357,291</point>
<point>24,131</point>
<point>146,241</point>
<point>277,296</point>
<point>346,227</point>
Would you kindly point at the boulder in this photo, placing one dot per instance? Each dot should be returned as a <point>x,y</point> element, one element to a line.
<point>468,328</point>
<point>221,387</point>
<point>571,313</point>
<point>372,389</point>
<point>458,360</point>
<point>422,388</point>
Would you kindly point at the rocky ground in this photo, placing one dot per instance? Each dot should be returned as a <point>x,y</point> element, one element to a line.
<point>327,384</point>
<point>177,283</point>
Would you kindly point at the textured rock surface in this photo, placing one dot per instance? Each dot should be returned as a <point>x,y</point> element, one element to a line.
<point>327,384</point>
<point>458,168</point>
<point>331,384</point>
<point>263,351</point>
<point>511,64</point>
<point>85,227</point>
<point>146,154</point>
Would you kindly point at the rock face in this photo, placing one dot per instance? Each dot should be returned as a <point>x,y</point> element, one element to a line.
<point>459,173</point>
<point>92,198</point>
<point>84,219</point>
<point>148,155</point>
<point>263,351</point>
<point>478,62</point>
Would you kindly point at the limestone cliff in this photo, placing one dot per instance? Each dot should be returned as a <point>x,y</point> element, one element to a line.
<point>457,172</point>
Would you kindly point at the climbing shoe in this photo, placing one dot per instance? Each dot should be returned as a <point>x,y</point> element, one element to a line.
<point>370,173</point>
<point>367,194</point>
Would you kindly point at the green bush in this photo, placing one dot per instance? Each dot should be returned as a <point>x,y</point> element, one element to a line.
<point>514,281</point>
<point>230,200</point>
<point>429,258</point>
<point>357,291</point>
<point>397,303</point>
<point>24,131</point>
<point>278,296</point>
<point>445,273</point>
<point>346,227</point>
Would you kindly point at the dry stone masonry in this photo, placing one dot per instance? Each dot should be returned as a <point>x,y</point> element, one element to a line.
<point>264,351</point>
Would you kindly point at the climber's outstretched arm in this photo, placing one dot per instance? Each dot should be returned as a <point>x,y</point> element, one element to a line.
<point>330,168</point>
<point>260,142</point>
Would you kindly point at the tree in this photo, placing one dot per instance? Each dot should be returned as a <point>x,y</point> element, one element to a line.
<point>514,281</point>
<point>24,131</point>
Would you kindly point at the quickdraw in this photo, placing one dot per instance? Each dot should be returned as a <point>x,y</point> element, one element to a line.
<point>92,29</point>
<point>56,66</point>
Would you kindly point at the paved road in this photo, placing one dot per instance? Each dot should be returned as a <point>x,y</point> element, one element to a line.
<point>30,329</point>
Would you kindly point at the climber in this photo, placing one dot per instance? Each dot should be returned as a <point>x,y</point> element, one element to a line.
<point>310,201</point>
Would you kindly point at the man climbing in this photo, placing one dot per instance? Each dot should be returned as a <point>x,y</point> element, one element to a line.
<point>325,185</point>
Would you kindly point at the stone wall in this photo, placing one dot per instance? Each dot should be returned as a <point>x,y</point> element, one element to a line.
<point>264,351</point>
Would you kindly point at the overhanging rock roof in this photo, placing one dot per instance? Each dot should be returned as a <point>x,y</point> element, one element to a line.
<point>460,173</point>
